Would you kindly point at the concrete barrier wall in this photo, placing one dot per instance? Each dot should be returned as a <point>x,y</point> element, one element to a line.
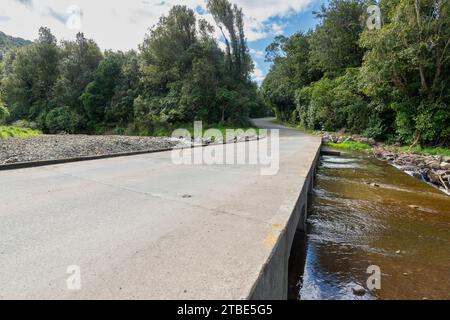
<point>273,281</point>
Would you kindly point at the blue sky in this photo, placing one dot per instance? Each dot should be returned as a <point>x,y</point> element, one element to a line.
<point>122,25</point>
<point>302,21</point>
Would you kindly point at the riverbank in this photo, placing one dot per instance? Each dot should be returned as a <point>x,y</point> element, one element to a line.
<point>364,212</point>
<point>431,165</point>
<point>417,162</point>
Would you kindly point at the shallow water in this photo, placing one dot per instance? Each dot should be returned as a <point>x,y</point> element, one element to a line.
<point>365,212</point>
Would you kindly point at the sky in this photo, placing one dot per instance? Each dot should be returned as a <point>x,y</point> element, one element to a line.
<point>122,24</point>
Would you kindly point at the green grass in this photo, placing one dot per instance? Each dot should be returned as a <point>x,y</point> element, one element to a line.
<point>15,132</point>
<point>350,145</point>
<point>431,151</point>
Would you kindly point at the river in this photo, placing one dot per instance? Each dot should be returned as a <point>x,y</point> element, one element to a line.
<point>365,212</point>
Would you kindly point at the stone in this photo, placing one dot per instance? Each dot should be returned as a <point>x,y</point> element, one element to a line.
<point>349,139</point>
<point>434,165</point>
<point>445,166</point>
<point>358,291</point>
<point>433,177</point>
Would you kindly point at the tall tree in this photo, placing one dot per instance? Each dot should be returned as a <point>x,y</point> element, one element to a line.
<point>29,76</point>
<point>80,59</point>
<point>335,42</point>
<point>407,66</point>
<point>230,20</point>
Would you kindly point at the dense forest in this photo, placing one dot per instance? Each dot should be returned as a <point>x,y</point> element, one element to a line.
<point>178,75</point>
<point>391,83</point>
<point>8,43</point>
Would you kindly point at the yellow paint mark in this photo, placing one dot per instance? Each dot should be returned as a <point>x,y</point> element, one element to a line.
<point>271,240</point>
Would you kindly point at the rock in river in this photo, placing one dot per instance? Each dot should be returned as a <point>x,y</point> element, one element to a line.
<point>359,291</point>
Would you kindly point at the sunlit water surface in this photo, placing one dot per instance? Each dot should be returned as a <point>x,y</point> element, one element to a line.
<point>365,212</point>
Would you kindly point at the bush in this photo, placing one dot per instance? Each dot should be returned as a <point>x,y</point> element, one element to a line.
<point>25,124</point>
<point>4,112</point>
<point>62,119</point>
<point>376,129</point>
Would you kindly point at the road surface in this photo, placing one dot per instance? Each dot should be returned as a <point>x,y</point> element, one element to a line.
<point>143,227</point>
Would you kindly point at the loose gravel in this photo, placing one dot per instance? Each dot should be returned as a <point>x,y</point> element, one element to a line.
<point>56,147</point>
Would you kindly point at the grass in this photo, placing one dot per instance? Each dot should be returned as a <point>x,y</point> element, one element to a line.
<point>361,147</point>
<point>430,151</point>
<point>15,132</point>
<point>350,145</point>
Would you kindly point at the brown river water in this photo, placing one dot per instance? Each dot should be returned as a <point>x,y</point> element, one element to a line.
<point>363,213</point>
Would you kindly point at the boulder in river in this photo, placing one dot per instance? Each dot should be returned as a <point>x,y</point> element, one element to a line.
<point>445,166</point>
<point>359,290</point>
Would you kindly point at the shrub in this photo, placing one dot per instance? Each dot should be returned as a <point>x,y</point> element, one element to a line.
<point>62,119</point>
<point>4,112</point>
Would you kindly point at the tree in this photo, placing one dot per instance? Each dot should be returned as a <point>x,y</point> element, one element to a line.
<point>62,119</point>
<point>290,71</point>
<point>406,66</point>
<point>230,21</point>
<point>184,71</point>
<point>335,42</point>
<point>80,59</point>
<point>4,112</point>
<point>98,94</point>
<point>29,76</point>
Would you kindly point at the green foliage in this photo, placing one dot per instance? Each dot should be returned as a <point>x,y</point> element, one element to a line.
<point>392,83</point>
<point>334,44</point>
<point>350,145</point>
<point>29,76</point>
<point>179,75</point>
<point>187,77</point>
<point>438,151</point>
<point>4,112</point>
<point>407,63</point>
<point>15,132</point>
<point>8,43</point>
<point>333,104</point>
<point>288,73</point>
<point>79,62</point>
<point>62,119</point>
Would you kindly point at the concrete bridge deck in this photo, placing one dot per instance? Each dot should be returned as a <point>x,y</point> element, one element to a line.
<point>142,227</point>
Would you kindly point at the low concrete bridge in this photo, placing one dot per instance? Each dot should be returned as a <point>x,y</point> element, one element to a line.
<point>143,227</point>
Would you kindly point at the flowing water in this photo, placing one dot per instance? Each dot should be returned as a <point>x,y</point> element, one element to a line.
<point>364,213</point>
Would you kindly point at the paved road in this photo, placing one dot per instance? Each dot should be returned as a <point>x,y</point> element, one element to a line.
<point>143,227</point>
<point>267,123</point>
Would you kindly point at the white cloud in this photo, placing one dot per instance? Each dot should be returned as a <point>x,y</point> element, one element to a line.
<point>121,25</point>
<point>257,53</point>
<point>258,74</point>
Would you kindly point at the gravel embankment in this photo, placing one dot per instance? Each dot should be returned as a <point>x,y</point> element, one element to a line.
<point>55,147</point>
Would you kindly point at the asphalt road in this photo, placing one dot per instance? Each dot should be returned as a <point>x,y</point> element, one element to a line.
<point>144,227</point>
<point>267,123</point>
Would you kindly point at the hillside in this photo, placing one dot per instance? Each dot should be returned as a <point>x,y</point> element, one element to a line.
<point>8,42</point>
